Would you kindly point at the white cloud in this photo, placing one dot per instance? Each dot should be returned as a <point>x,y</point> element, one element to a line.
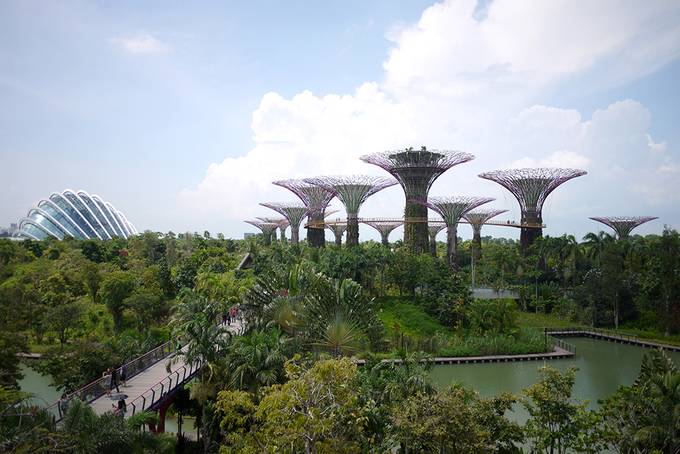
<point>457,80</point>
<point>141,43</point>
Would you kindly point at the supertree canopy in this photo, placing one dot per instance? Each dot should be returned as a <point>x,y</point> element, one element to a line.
<point>338,228</point>
<point>434,230</point>
<point>267,228</point>
<point>282,223</point>
<point>352,191</point>
<point>316,199</point>
<point>477,219</point>
<point>294,213</point>
<point>451,209</point>
<point>385,228</point>
<point>623,225</point>
<point>531,187</point>
<point>416,170</point>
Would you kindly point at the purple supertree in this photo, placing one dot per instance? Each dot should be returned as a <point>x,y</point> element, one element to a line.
<point>352,191</point>
<point>623,225</point>
<point>477,219</point>
<point>316,199</point>
<point>384,228</point>
<point>452,209</point>
<point>416,170</point>
<point>531,187</point>
<point>268,229</point>
<point>434,230</point>
<point>338,228</point>
<point>280,221</point>
<point>294,212</point>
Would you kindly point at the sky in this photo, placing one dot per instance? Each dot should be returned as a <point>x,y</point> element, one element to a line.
<point>182,113</point>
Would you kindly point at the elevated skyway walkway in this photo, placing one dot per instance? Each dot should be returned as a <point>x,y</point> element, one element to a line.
<point>492,222</point>
<point>151,379</point>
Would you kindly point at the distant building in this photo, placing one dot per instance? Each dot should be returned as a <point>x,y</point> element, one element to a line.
<point>74,214</point>
<point>248,235</point>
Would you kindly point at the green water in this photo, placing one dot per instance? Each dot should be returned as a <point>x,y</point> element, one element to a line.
<point>38,385</point>
<point>602,367</point>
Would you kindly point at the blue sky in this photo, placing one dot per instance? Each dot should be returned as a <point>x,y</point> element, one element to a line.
<point>180,114</point>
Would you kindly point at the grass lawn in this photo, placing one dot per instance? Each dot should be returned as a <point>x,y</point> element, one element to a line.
<point>411,319</point>
<point>541,320</point>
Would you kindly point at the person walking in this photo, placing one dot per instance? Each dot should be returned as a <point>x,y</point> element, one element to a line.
<point>123,375</point>
<point>114,380</point>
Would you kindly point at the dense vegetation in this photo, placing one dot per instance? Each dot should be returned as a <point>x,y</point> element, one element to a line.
<point>287,385</point>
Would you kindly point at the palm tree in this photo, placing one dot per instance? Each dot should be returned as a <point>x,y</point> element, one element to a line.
<point>195,323</point>
<point>342,337</point>
<point>257,360</point>
<point>595,244</point>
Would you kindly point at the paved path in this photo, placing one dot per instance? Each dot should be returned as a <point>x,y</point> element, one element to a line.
<point>145,381</point>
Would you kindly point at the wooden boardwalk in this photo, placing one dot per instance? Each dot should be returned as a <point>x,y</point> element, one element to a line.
<point>149,385</point>
<point>557,353</point>
<point>612,337</point>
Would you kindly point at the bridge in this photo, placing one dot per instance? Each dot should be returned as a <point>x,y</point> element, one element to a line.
<point>152,382</point>
<point>497,223</point>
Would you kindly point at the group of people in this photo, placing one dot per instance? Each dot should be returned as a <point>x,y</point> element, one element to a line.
<point>116,375</point>
<point>230,315</point>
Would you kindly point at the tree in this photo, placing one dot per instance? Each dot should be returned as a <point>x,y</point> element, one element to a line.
<point>644,417</point>
<point>115,288</point>
<point>147,306</point>
<point>62,318</point>
<point>557,424</point>
<point>11,343</point>
<point>316,410</point>
<point>257,359</point>
<point>92,279</point>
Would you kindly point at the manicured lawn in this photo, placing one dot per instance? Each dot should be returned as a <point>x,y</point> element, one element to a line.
<point>410,319</point>
<point>541,320</point>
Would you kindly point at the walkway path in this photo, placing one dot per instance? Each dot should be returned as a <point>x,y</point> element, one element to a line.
<point>610,336</point>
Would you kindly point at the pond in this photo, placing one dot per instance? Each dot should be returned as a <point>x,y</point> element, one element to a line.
<point>602,367</point>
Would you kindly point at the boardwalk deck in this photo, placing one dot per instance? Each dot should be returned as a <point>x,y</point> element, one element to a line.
<point>150,378</point>
<point>612,337</point>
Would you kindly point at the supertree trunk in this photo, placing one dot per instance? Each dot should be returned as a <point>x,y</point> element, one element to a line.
<point>416,236</point>
<point>385,239</point>
<point>433,245</point>
<point>476,242</point>
<point>294,235</point>
<point>452,246</point>
<point>352,229</point>
<point>267,238</point>
<point>316,235</point>
<point>529,235</point>
<point>338,239</point>
<point>273,235</point>
<point>282,230</point>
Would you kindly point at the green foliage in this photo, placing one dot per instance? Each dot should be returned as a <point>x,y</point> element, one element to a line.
<point>115,288</point>
<point>257,359</point>
<point>497,316</point>
<point>11,343</point>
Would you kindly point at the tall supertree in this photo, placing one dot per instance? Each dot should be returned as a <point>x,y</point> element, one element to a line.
<point>338,228</point>
<point>384,228</point>
<point>268,229</point>
<point>352,191</point>
<point>452,209</point>
<point>283,225</point>
<point>531,187</point>
<point>294,212</point>
<point>623,225</point>
<point>434,230</point>
<point>477,219</point>
<point>416,171</point>
<point>316,199</point>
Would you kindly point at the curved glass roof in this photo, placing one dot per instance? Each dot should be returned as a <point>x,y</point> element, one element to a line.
<point>74,214</point>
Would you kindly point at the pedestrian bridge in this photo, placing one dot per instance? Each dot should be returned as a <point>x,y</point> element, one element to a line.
<point>152,381</point>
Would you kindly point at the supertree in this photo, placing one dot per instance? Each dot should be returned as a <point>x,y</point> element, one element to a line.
<point>531,187</point>
<point>477,219</point>
<point>338,228</point>
<point>282,222</point>
<point>451,209</point>
<point>385,228</point>
<point>416,171</point>
<point>294,213</point>
<point>623,225</point>
<point>434,230</point>
<point>352,191</point>
<point>267,228</point>
<point>316,199</point>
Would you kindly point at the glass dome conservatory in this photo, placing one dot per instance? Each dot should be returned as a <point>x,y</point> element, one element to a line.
<point>75,214</point>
